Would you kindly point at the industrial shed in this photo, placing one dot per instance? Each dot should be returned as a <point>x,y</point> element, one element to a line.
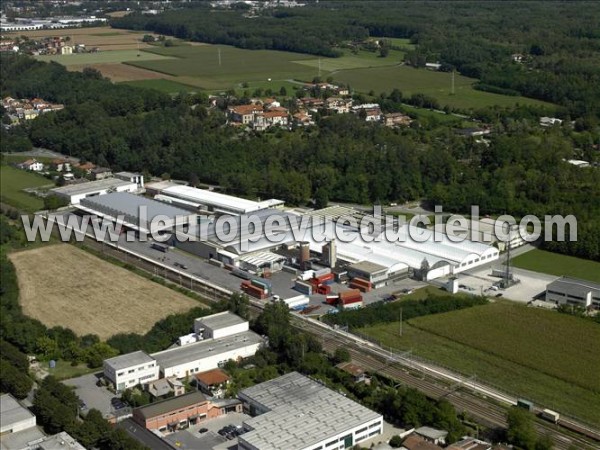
<point>74,193</point>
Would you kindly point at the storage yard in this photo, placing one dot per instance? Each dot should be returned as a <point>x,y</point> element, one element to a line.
<point>62,285</point>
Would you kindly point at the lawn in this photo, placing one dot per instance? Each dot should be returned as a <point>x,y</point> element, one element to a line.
<point>557,264</point>
<point>525,351</point>
<point>64,370</point>
<point>61,285</point>
<point>162,85</point>
<point>436,84</point>
<point>362,59</point>
<point>103,57</point>
<point>13,181</point>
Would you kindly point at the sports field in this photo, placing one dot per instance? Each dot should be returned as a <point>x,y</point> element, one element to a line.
<point>114,56</point>
<point>61,285</point>
<point>557,264</point>
<point>547,357</point>
<point>12,183</point>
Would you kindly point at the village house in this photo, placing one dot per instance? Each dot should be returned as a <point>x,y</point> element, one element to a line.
<point>355,371</point>
<point>213,382</point>
<point>165,386</point>
<point>303,119</point>
<point>31,164</point>
<point>244,114</point>
<point>396,119</point>
<point>372,114</point>
<point>100,173</point>
<point>310,103</point>
<point>60,165</point>
<point>338,105</point>
<point>86,167</point>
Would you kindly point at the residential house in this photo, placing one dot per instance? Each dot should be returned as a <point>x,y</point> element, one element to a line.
<point>61,165</point>
<point>244,113</point>
<point>550,121</point>
<point>338,105</point>
<point>165,386</point>
<point>213,382</point>
<point>86,167</point>
<point>271,103</point>
<point>437,437</point>
<point>31,164</point>
<point>303,119</point>
<point>66,50</point>
<point>100,173</point>
<point>355,371</point>
<point>373,114</point>
<point>310,103</point>
<point>396,119</point>
<point>275,118</point>
<point>414,442</point>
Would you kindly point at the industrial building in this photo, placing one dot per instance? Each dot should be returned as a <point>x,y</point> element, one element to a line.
<point>131,369</point>
<point>132,177</point>
<point>74,193</point>
<point>294,412</point>
<point>574,292</point>
<point>220,325</point>
<point>181,362</point>
<point>15,417</point>
<point>137,212</point>
<point>210,201</point>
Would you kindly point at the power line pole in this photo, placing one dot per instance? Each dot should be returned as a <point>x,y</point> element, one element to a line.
<point>452,88</point>
<point>319,67</point>
<point>219,51</point>
<point>400,321</point>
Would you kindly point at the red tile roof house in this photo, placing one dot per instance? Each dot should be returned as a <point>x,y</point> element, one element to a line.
<point>244,113</point>
<point>213,382</point>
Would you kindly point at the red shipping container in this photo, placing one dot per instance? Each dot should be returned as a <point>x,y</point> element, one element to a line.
<point>349,293</point>
<point>324,278</point>
<point>324,289</point>
<point>350,300</point>
<point>361,281</point>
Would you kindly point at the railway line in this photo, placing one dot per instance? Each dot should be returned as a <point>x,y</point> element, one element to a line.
<point>484,410</point>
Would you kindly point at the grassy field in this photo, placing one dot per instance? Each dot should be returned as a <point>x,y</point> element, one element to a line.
<point>13,181</point>
<point>61,285</point>
<point>362,59</point>
<point>524,351</point>
<point>557,264</point>
<point>437,84</point>
<point>160,84</point>
<point>114,56</point>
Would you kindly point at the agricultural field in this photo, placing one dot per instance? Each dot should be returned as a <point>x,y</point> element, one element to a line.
<point>105,38</point>
<point>61,285</point>
<point>363,59</point>
<point>12,183</point>
<point>162,85</point>
<point>524,351</point>
<point>557,264</point>
<point>436,84</point>
<point>103,57</point>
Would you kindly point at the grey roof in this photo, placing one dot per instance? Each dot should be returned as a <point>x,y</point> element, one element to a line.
<point>127,174</point>
<point>62,440</point>
<point>12,411</point>
<point>302,412</point>
<point>130,206</point>
<point>367,267</point>
<point>220,320</point>
<point>20,439</point>
<point>203,349</point>
<point>90,186</point>
<point>129,359</point>
<point>574,286</point>
<point>431,433</point>
<point>171,404</point>
<point>142,435</point>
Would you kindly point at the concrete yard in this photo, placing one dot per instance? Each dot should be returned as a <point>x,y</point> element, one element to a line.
<point>93,396</point>
<point>190,438</point>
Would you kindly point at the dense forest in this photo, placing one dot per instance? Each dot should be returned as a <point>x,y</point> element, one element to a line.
<point>559,44</point>
<point>522,170</point>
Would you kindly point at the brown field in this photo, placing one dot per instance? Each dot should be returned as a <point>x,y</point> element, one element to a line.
<point>121,72</point>
<point>105,38</point>
<point>118,13</point>
<point>61,285</point>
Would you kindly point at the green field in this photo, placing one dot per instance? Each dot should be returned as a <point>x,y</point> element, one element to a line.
<point>162,85</point>
<point>525,351</point>
<point>111,56</point>
<point>436,84</point>
<point>13,181</point>
<point>557,264</point>
<point>362,59</point>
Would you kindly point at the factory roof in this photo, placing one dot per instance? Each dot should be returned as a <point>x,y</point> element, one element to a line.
<point>302,412</point>
<point>90,186</point>
<point>574,286</point>
<point>221,320</point>
<point>132,207</point>
<point>203,349</point>
<point>128,360</point>
<point>431,433</point>
<point>218,200</point>
<point>12,411</point>
<point>367,267</point>
<point>128,174</point>
<point>172,404</point>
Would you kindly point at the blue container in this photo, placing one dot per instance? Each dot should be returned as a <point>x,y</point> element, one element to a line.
<point>52,364</point>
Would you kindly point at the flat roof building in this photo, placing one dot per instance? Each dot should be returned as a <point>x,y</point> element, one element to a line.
<point>220,325</point>
<point>74,193</point>
<point>574,292</point>
<point>137,212</point>
<point>15,417</point>
<point>294,412</point>
<point>131,369</point>
<point>132,177</point>
<point>433,435</point>
<point>191,359</point>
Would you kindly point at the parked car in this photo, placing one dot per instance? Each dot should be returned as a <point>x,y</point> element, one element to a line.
<point>202,430</point>
<point>82,404</point>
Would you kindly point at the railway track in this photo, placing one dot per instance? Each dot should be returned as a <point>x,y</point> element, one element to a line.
<point>484,411</point>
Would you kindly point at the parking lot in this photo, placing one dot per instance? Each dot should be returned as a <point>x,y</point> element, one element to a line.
<point>93,396</point>
<point>192,439</point>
